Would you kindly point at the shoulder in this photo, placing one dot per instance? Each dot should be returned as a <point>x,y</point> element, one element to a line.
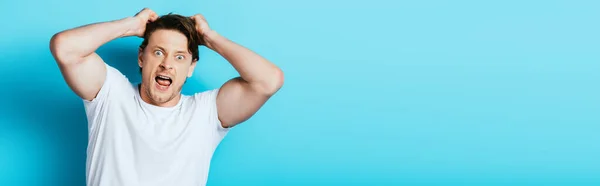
<point>115,85</point>
<point>206,102</point>
<point>206,96</point>
<point>116,76</point>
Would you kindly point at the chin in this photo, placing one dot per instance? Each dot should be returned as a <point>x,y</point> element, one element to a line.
<point>161,95</point>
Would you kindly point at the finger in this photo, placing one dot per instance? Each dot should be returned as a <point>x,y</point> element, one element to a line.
<point>197,21</point>
<point>141,11</point>
<point>153,16</point>
<point>203,18</point>
<point>195,18</point>
<point>198,17</point>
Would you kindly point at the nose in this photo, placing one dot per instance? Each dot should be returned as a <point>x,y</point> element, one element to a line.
<point>166,64</point>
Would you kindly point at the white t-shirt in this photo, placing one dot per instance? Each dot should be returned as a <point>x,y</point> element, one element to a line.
<point>134,143</point>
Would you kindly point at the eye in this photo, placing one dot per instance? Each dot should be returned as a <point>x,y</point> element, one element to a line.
<point>158,53</point>
<point>180,57</point>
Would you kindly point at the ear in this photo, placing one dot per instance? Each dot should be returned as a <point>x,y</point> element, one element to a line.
<point>192,67</point>
<point>140,54</point>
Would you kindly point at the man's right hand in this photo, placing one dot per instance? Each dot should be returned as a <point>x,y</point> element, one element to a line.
<point>139,22</point>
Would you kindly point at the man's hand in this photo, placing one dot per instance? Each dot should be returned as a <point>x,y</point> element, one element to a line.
<point>203,29</point>
<point>139,22</point>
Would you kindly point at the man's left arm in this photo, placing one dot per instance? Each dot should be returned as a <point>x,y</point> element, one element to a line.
<point>239,98</point>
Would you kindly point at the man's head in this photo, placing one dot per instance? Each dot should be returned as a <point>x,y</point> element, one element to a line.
<point>167,57</point>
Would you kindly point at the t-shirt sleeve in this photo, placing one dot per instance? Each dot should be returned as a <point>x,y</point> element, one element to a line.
<point>208,102</point>
<point>113,81</point>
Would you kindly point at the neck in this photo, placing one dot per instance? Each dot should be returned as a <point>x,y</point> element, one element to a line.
<point>142,90</point>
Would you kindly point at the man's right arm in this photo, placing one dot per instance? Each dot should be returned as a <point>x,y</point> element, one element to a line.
<point>74,51</point>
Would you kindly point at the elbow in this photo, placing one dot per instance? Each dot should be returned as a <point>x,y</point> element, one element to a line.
<point>55,44</point>
<point>58,48</point>
<point>274,83</point>
<point>278,82</point>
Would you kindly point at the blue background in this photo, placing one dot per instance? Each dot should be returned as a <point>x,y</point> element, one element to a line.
<point>376,92</point>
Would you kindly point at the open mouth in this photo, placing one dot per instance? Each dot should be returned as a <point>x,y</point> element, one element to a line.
<point>163,82</point>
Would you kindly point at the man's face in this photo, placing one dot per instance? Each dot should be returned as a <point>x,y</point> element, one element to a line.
<point>166,63</point>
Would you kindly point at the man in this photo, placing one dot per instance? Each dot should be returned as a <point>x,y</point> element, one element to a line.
<point>149,133</point>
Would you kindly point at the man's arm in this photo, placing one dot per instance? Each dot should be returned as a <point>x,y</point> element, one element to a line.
<point>241,97</point>
<point>74,51</point>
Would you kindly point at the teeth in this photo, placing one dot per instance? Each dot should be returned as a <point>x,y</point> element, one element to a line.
<point>164,77</point>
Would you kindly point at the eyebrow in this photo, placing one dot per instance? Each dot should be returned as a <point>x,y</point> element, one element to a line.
<point>178,51</point>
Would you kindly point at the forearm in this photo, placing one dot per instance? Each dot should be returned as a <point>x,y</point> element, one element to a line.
<point>77,43</point>
<point>254,69</point>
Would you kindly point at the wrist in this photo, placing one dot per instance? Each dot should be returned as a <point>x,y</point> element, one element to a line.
<point>130,26</point>
<point>210,38</point>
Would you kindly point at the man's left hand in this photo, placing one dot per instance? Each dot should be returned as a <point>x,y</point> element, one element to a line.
<point>202,28</point>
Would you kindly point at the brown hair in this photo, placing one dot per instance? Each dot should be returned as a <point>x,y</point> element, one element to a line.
<point>184,25</point>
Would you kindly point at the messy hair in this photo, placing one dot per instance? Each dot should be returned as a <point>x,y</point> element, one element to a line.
<point>184,25</point>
